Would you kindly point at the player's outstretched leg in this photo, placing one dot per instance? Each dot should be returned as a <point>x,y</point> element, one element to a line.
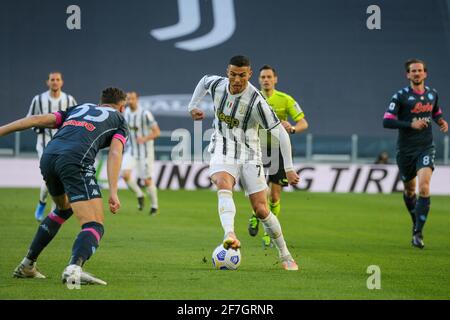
<point>83,248</point>
<point>90,215</point>
<point>274,207</point>
<point>46,232</point>
<point>227,212</point>
<point>273,229</point>
<point>40,208</point>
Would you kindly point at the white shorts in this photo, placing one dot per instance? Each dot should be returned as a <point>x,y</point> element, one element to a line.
<point>250,175</point>
<point>143,167</point>
<point>40,150</point>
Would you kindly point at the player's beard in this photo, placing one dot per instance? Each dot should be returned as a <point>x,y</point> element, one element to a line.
<point>418,82</point>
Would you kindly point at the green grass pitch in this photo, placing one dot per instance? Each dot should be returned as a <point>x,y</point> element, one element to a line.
<point>334,238</point>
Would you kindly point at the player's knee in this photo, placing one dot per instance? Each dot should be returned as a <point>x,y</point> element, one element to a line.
<point>222,183</point>
<point>424,190</point>
<point>62,202</point>
<point>261,210</point>
<point>410,192</point>
<point>126,176</point>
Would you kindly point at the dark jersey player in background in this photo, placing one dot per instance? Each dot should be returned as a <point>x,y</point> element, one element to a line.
<point>411,111</point>
<point>67,166</point>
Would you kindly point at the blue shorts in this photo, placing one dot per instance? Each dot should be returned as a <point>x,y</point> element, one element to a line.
<point>409,164</point>
<point>63,175</point>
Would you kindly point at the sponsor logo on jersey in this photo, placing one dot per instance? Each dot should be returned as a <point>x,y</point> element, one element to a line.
<point>411,98</point>
<point>229,120</point>
<point>89,126</point>
<point>420,108</point>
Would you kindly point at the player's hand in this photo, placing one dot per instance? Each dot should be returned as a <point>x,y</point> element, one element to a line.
<point>286,125</point>
<point>114,203</point>
<point>293,177</point>
<point>140,140</point>
<point>197,114</point>
<point>443,125</point>
<point>419,124</point>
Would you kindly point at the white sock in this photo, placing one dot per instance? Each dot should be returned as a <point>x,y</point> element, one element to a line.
<point>43,193</point>
<point>153,194</point>
<point>227,210</point>
<point>27,262</point>
<point>273,229</point>
<point>131,183</point>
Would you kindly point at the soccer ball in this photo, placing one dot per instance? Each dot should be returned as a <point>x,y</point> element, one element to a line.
<point>223,259</point>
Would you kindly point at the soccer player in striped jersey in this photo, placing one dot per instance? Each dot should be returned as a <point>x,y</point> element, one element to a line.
<point>140,152</point>
<point>48,102</point>
<point>235,149</point>
<point>284,106</point>
<point>411,111</point>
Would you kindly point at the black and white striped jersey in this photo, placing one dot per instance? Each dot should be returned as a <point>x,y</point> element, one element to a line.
<point>140,123</point>
<point>237,118</point>
<point>43,104</point>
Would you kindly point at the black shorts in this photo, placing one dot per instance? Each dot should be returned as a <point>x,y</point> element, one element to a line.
<point>76,179</point>
<point>275,168</point>
<point>409,164</point>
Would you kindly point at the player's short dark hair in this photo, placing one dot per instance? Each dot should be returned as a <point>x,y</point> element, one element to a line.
<point>55,72</point>
<point>411,61</point>
<point>240,61</point>
<point>113,95</point>
<point>268,67</point>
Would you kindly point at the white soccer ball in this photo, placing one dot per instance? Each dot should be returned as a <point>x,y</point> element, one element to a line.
<point>223,259</point>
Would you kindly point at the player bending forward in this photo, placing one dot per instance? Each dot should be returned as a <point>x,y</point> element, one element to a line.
<point>236,152</point>
<point>67,166</point>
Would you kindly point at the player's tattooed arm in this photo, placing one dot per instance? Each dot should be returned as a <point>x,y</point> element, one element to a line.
<point>39,121</point>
